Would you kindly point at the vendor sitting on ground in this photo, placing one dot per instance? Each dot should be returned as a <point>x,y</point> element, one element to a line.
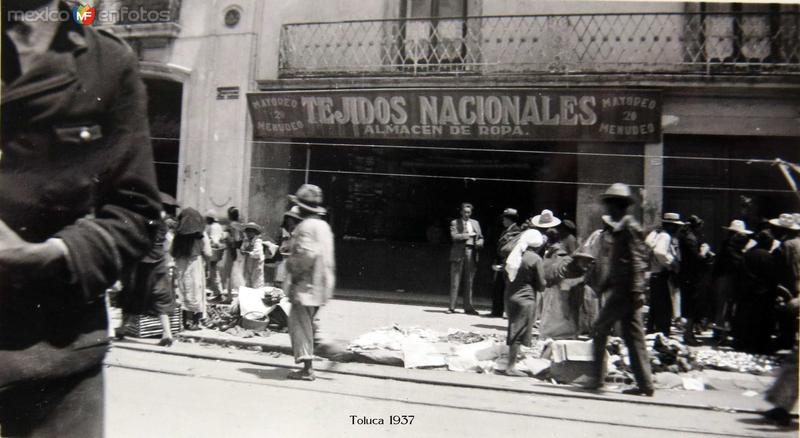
<point>525,277</point>
<point>253,251</point>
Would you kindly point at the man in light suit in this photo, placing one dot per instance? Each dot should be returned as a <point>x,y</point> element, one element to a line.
<point>467,241</point>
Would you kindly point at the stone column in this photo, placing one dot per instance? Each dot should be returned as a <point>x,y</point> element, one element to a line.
<point>653,194</point>
<point>597,171</point>
<point>269,188</point>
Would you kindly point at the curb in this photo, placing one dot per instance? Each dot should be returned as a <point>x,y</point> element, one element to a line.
<point>344,296</point>
<point>714,382</point>
<point>265,347</point>
<point>395,373</point>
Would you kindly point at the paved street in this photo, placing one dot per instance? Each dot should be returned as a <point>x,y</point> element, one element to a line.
<point>159,395</point>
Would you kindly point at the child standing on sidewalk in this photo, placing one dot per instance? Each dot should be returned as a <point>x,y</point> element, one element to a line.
<point>253,251</point>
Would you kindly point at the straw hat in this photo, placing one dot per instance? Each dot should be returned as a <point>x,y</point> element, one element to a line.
<point>294,213</point>
<point>785,220</point>
<point>309,198</point>
<point>253,226</point>
<point>739,227</point>
<point>618,191</point>
<point>672,218</point>
<point>545,220</point>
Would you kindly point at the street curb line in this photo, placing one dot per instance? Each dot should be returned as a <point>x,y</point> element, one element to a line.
<point>283,349</point>
<point>211,356</point>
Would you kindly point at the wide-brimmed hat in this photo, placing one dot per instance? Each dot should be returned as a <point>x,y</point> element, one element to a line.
<point>785,220</point>
<point>545,220</point>
<point>618,191</point>
<point>672,218</point>
<point>294,213</point>
<point>511,213</point>
<point>738,227</point>
<point>309,198</point>
<point>253,226</point>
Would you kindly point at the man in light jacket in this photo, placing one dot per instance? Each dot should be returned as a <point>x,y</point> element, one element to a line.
<point>665,264</point>
<point>467,241</point>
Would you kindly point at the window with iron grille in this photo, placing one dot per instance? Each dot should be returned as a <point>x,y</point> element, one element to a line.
<point>749,33</point>
<point>430,40</point>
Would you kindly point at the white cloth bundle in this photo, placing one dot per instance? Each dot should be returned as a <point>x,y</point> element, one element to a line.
<point>528,239</point>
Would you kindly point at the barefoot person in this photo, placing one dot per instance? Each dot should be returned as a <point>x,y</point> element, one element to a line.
<point>525,278</point>
<point>310,277</point>
<point>626,287</point>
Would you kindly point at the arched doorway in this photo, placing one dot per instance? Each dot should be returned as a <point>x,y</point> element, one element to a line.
<point>164,106</point>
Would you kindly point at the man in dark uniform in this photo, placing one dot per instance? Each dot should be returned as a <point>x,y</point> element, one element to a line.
<point>77,195</point>
<point>626,286</point>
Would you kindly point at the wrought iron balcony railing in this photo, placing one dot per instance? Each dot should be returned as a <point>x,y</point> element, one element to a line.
<point>682,43</point>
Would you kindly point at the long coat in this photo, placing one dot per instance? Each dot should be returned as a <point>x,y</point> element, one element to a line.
<point>310,266</point>
<point>75,164</point>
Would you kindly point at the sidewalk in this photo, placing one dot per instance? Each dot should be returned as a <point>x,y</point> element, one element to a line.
<point>407,298</point>
<point>344,320</point>
<point>731,401</point>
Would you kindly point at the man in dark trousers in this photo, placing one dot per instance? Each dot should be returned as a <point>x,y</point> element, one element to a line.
<point>665,266</point>
<point>467,241</point>
<point>77,192</point>
<point>510,231</point>
<point>626,287</point>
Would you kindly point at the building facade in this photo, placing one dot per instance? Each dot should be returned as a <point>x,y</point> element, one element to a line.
<point>401,110</point>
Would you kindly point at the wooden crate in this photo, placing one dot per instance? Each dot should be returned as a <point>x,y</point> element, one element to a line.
<point>150,326</point>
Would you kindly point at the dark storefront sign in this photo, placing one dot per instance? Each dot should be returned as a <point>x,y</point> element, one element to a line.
<point>577,114</point>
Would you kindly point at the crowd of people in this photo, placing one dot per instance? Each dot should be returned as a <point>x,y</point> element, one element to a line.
<point>739,292</point>
<point>641,283</point>
<point>186,259</point>
<point>80,210</point>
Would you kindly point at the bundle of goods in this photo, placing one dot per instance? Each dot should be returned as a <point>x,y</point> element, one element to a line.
<point>273,296</point>
<point>150,326</point>
<point>462,337</point>
<point>221,318</point>
<point>669,355</point>
<point>736,361</point>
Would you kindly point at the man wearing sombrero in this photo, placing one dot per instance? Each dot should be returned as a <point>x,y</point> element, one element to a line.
<point>626,286</point>
<point>546,223</point>
<point>310,277</point>
<point>787,264</point>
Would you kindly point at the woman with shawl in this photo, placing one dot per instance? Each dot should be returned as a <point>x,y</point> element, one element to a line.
<point>190,248</point>
<point>525,272</point>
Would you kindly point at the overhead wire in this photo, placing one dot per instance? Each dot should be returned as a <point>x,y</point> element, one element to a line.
<point>496,179</point>
<point>520,151</point>
<point>514,180</point>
